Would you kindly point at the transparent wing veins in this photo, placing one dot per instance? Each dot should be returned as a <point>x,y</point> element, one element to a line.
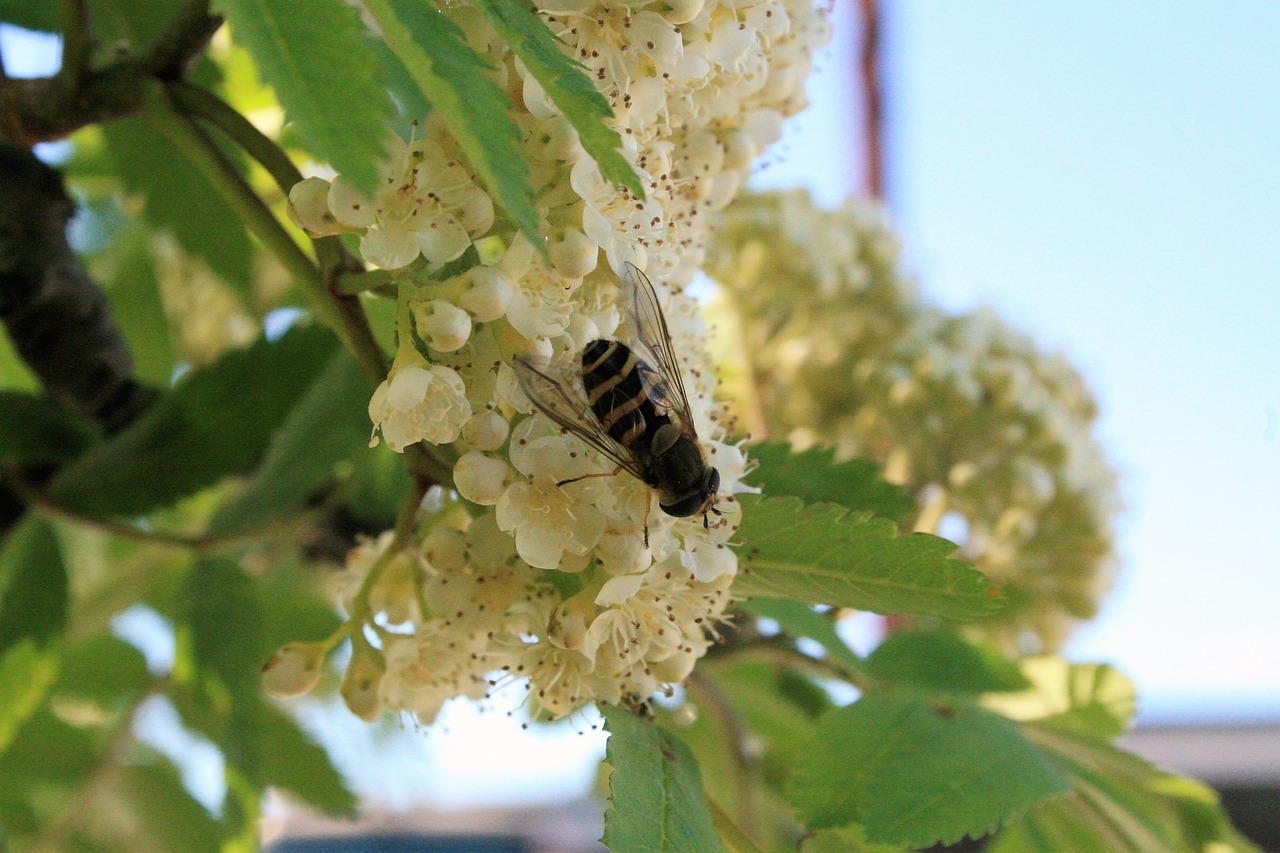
<point>557,393</point>
<point>651,340</point>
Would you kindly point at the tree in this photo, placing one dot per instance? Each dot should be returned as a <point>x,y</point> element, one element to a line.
<point>184,432</point>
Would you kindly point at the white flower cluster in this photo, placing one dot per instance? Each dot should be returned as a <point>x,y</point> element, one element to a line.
<point>964,411</point>
<point>555,583</point>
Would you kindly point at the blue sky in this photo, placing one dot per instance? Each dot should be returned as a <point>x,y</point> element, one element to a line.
<point>1109,180</point>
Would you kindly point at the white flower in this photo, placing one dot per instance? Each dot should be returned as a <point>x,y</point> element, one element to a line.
<point>542,301</point>
<point>428,204</point>
<point>436,664</point>
<point>418,402</point>
<point>615,40</point>
<point>547,522</point>
<point>698,88</point>
<point>309,208</point>
<point>574,255</point>
<point>361,686</point>
<point>561,681</point>
<point>624,226</point>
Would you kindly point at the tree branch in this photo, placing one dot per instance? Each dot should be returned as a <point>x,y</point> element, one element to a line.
<point>43,109</point>
<point>77,35</point>
<point>56,316</point>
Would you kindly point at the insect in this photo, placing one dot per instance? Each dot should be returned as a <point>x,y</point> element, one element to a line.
<point>627,400</point>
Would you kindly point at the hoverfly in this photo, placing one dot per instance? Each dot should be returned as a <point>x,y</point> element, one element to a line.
<point>627,400</point>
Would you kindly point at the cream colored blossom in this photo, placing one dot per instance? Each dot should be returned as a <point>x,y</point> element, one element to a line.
<point>993,436</point>
<point>418,402</point>
<point>699,88</point>
<point>427,204</point>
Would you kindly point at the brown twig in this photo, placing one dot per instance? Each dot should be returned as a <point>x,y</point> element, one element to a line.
<point>872,100</point>
<point>43,109</point>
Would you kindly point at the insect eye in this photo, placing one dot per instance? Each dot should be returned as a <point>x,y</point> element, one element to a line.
<point>684,507</point>
<point>712,485</point>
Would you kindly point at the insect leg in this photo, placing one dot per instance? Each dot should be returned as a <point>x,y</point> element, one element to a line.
<point>589,476</point>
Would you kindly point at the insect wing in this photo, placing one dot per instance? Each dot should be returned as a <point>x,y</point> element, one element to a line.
<point>651,340</point>
<point>556,391</point>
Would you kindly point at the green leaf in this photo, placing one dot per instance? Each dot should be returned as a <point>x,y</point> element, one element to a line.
<point>135,22</point>
<point>296,606</point>
<point>294,762</point>
<point>1205,823</point>
<point>321,66</point>
<point>916,774</point>
<point>656,801</point>
<point>814,476</point>
<point>180,200</point>
<point>329,424</point>
<point>217,422</point>
<point>47,761</point>
<point>138,306</point>
<point>26,673</point>
<point>797,619</point>
<point>777,707</point>
<point>36,430</point>
<point>849,840</point>
<point>376,489</point>
<point>1090,698</point>
<point>567,85</point>
<point>39,15</point>
<point>226,628</point>
<point>825,554</point>
<point>104,670</point>
<point>944,662</point>
<point>404,91</point>
<point>14,373</point>
<point>166,811</point>
<point>33,585</point>
<point>476,112</point>
<point>1119,803</point>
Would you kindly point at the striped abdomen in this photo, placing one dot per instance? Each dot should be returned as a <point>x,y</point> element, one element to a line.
<point>617,396</point>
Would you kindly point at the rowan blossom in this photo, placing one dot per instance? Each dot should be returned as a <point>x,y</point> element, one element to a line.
<point>992,435</point>
<point>418,402</point>
<point>554,567</point>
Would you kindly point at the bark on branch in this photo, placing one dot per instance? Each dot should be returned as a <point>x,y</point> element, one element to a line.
<point>56,316</point>
<point>43,109</point>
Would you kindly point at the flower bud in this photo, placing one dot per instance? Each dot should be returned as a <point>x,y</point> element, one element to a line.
<point>489,295</point>
<point>360,686</point>
<point>309,208</point>
<point>480,478</point>
<point>682,11</point>
<point>445,549</point>
<point>486,430</point>
<point>444,326</point>
<point>293,669</point>
<point>574,254</point>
